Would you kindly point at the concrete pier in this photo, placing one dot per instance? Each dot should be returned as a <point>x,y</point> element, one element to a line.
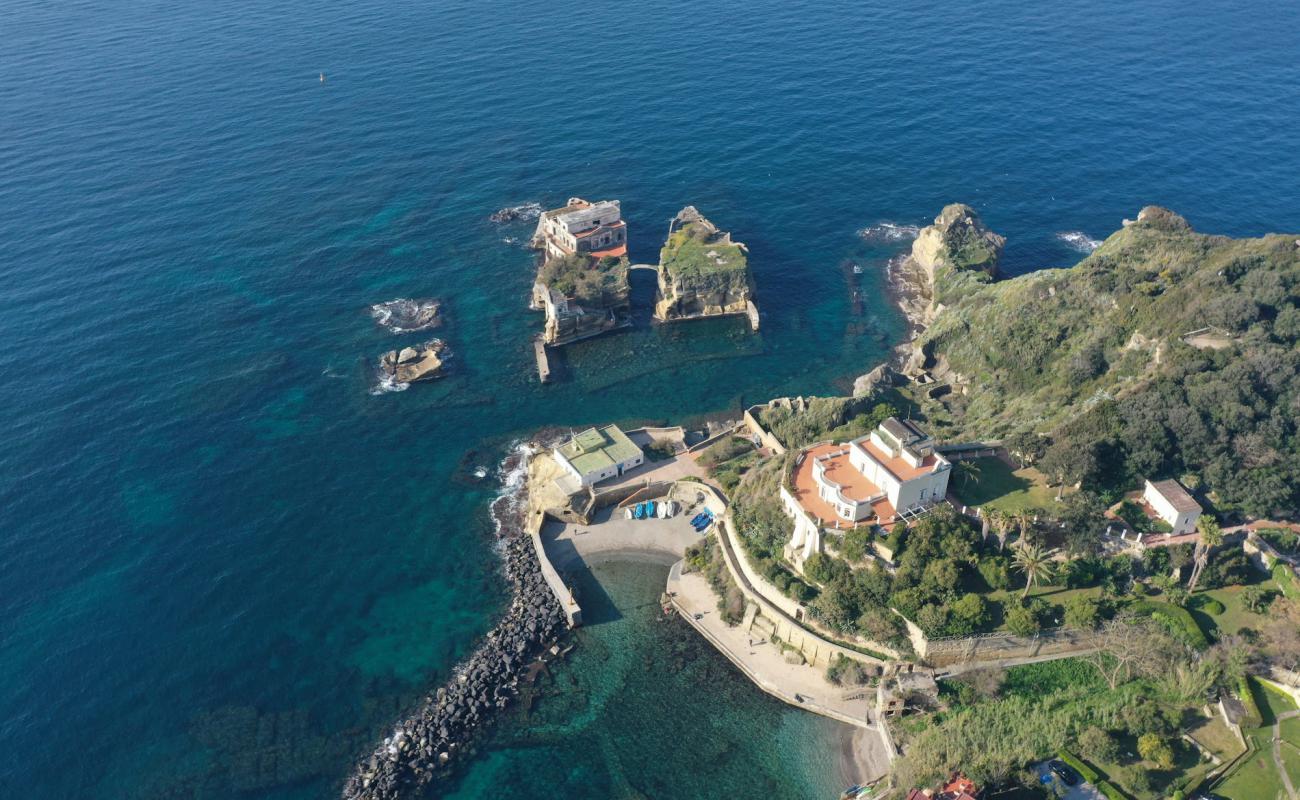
<point>543,360</point>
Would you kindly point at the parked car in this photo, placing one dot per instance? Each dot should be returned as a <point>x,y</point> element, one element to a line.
<point>1065,772</point>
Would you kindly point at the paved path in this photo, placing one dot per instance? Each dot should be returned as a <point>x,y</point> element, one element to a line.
<point>1277,752</point>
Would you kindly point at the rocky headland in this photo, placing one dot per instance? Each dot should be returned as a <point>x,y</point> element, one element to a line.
<point>418,363</point>
<point>947,259</point>
<point>702,272</point>
<point>427,746</point>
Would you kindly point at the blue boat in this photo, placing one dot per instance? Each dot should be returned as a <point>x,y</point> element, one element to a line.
<point>640,511</point>
<point>650,509</point>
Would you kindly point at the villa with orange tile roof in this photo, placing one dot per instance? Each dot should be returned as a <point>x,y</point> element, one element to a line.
<point>595,229</point>
<point>887,475</point>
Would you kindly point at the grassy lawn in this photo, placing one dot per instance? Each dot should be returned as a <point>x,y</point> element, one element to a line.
<point>1214,735</point>
<point>998,486</point>
<point>1188,765</point>
<point>1256,778</point>
<point>1052,595</point>
<point>1235,615</point>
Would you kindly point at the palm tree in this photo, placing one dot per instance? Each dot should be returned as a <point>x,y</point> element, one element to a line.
<point>968,471</point>
<point>1211,536</point>
<point>1035,562</point>
<point>1001,525</point>
<point>1025,523</point>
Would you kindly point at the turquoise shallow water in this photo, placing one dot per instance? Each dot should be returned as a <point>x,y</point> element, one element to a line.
<point>224,564</point>
<point>634,713</point>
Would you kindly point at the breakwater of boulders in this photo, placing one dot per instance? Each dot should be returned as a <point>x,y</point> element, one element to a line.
<point>425,747</point>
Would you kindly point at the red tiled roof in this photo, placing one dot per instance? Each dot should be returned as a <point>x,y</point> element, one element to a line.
<point>616,252</point>
<point>805,490</point>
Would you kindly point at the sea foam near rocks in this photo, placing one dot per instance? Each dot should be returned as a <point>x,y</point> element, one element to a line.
<point>520,213</point>
<point>1079,240</point>
<point>887,231</point>
<point>407,315</point>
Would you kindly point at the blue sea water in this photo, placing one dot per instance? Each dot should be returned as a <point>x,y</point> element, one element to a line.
<point>226,565</point>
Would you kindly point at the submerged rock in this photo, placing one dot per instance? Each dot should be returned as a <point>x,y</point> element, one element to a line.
<point>419,363</point>
<point>405,315</point>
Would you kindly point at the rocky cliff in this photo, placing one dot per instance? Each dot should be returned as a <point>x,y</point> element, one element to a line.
<point>948,258</point>
<point>702,272</point>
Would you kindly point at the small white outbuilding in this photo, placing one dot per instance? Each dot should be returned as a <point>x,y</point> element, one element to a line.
<point>1171,502</point>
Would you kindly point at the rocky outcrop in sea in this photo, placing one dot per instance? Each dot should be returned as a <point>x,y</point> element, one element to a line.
<point>406,315</point>
<point>427,746</point>
<point>409,364</point>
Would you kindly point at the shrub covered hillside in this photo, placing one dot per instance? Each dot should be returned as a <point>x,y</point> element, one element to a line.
<point>1092,372</point>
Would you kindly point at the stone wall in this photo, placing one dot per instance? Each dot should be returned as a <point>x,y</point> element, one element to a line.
<point>1000,646</point>
<point>764,435</point>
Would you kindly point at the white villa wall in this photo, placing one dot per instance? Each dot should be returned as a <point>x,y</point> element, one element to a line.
<point>806,539</point>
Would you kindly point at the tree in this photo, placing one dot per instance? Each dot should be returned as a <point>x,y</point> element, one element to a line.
<point>968,471</point>
<point>1022,621</point>
<point>1096,744</point>
<point>1127,646</point>
<point>1156,750</point>
<point>1211,536</point>
<point>1001,522</point>
<point>1034,562</point>
<point>969,614</point>
<point>1082,613</point>
<point>1256,598</point>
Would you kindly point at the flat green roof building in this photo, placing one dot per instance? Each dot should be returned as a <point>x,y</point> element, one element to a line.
<point>597,454</point>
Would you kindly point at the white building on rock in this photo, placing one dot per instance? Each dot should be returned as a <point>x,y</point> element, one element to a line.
<point>891,474</point>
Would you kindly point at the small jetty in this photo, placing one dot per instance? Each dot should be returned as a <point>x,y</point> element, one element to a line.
<point>543,360</point>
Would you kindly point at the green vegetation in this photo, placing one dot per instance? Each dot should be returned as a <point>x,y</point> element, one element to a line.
<point>599,283</point>
<point>1092,358</point>
<point>695,249</point>
<point>1256,775</point>
<point>844,671</point>
<point>996,486</point>
<point>706,557</point>
<point>824,419</point>
<point>724,450</point>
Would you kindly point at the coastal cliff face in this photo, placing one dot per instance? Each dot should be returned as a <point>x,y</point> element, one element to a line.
<point>702,272</point>
<point>1165,351</point>
<point>948,258</point>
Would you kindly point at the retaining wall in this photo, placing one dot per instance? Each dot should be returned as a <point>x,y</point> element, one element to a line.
<point>572,611</point>
<point>1000,646</point>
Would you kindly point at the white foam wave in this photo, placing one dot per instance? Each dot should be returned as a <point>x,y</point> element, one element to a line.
<point>887,231</point>
<point>405,315</point>
<point>520,213</point>
<point>1079,241</point>
<point>386,384</point>
<point>511,503</point>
